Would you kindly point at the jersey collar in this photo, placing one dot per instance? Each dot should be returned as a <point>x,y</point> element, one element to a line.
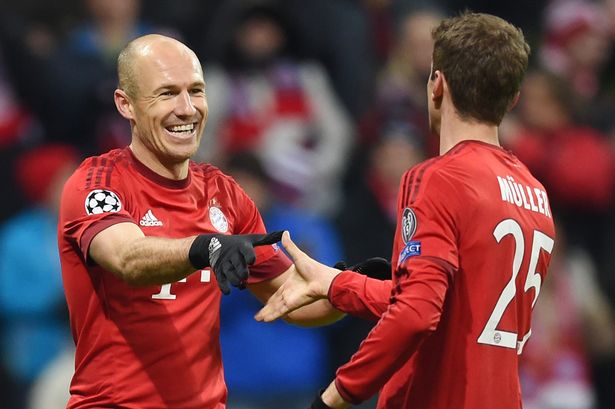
<point>155,177</point>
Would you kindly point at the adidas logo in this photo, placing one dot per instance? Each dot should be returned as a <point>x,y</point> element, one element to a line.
<point>150,220</point>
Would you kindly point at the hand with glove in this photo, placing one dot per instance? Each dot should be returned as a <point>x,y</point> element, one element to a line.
<point>229,256</point>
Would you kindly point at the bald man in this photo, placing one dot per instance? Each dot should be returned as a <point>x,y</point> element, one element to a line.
<point>147,237</point>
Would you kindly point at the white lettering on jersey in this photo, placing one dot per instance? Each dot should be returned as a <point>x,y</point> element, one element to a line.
<point>526,197</point>
<point>149,220</point>
<point>165,289</point>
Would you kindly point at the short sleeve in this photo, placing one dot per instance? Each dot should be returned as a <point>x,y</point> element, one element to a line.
<point>86,210</point>
<point>270,260</point>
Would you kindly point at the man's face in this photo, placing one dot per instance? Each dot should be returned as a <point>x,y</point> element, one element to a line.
<point>170,108</point>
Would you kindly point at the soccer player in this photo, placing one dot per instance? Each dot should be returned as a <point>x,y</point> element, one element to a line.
<point>472,246</point>
<point>145,234</point>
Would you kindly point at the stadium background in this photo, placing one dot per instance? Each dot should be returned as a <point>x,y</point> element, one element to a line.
<point>316,107</point>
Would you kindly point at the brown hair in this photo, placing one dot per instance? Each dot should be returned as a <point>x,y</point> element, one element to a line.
<point>483,58</point>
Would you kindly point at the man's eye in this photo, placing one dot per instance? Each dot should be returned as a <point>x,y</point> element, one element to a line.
<point>167,94</point>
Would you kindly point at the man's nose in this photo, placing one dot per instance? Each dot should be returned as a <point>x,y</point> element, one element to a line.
<point>184,106</point>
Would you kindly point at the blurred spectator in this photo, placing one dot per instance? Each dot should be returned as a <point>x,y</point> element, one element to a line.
<point>577,43</point>
<point>18,127</point>
<point>401,84</point>
<point>51,388</point>
<point>337,34</point>
<point>574,326</point>
<point>384,18</point>
<point>32,306</point>
<point>316,234</point>
<point>267,101</point>
<point>576,163</point>
<point>16,123</point>
<point>83,77</point>
<point>369,211</point>
<point>254,381</point>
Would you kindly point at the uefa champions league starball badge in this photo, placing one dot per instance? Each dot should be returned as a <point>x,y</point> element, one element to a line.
<point>102,201</point>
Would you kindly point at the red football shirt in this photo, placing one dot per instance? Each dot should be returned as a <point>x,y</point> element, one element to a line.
<point>473,243</point>
<point>156,346</point>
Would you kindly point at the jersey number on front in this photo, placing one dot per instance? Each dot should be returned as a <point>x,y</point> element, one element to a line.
<point>491,335</point>
<point>165,289</point>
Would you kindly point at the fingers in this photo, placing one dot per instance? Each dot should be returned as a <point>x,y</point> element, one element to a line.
<point>264,239</point>
<point>223,284</point>
<point>293,251</point>
<point>236,270</point>
<point>275,308</point>
<point>247,253</point>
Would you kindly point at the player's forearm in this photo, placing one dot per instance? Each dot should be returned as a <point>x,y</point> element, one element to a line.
<point>361,296</point>
<point>154,260</point>
<point>315,315</point>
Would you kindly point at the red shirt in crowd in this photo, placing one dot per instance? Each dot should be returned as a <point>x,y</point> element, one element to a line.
<point>473,242</point>
<point>155,346</point>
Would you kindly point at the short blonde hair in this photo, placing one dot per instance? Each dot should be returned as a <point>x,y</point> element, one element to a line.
<point>126,71</point>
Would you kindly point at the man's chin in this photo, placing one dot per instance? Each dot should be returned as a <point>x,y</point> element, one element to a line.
<point>181,154</point>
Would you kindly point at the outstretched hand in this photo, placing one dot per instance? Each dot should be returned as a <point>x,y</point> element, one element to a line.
<point>309,282</point>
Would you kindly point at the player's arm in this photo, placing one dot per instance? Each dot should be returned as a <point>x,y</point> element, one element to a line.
<point>124,250</point>
<point>305,287</point>
<point>360,295</point>
<point>413,314</point>
<point>319,312</point>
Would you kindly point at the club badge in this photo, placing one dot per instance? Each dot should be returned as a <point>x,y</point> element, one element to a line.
<point>218,219</point>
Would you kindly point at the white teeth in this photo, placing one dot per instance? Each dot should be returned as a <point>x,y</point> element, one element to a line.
<point>181,128</point>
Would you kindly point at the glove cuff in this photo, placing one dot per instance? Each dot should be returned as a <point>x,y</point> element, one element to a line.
<point>199,251</point>
<point>318,403</point>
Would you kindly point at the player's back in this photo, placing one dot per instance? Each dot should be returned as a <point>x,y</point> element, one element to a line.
<point>504,237</point>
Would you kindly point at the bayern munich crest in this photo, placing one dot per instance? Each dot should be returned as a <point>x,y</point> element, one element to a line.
<point>408,224</point>
<point>218,219</point>
<point>102,201</point>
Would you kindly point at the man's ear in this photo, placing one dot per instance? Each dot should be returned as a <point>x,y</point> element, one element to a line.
<point>514,101</point>
<point>437,90</point>
<point>123,104</point>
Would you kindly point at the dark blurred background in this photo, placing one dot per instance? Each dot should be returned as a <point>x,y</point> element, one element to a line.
<point>316,108</point>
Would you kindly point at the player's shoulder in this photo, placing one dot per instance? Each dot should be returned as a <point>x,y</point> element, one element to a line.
<point>98,171</point>
<point>210,173</point>
<point>449,175</point>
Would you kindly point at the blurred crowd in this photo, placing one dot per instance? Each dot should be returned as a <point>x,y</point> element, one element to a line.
<point>316,108</point>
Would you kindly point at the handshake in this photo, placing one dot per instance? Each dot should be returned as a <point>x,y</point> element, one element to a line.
<point>230,256</point>
<point>308,281</point>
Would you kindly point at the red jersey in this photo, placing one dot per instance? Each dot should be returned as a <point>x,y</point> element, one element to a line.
<point>472,246</point>
<point>156,346</point>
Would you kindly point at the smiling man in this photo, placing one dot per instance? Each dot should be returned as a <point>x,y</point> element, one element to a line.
<point>145,234</point>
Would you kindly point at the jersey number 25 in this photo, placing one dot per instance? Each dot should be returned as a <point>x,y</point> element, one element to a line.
<point>491,335</point>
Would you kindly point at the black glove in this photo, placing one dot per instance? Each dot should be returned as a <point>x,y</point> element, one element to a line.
<point>317,403</point>
<point>229,255</point>
<point>372,267</point>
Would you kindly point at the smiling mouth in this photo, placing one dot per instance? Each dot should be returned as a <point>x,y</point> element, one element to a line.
<point>181,130</point>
